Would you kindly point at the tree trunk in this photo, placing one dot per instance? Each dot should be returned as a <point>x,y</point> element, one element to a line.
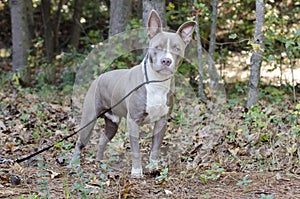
<point>137,8</point>
<point>159,6</point>
<point>20,39</point>
<point>48,30</point>
<point>29,13</point>
<point>200,60</point>
<point>213,73</point>
<point>57,24</point>
<point>256,57</point>
<point>49,40</point>
<point>76,23</point>
<point>120,15</point>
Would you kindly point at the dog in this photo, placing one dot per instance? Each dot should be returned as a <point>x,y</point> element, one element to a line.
<point>150,103</point>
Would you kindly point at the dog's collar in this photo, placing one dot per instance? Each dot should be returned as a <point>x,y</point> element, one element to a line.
<point>145,69</point>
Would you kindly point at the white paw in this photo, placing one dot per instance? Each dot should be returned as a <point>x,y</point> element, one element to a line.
<point>136,173</point>
<point>75,162</point>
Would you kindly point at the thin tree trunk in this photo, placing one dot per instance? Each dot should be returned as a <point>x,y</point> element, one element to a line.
<point>200,60</point>
<point>120,15</point>
<point>256,57</point>
<point>48,30</point>
<point>281,48</point>
<point>213,73</point>
<point>292,64</point>
<point>57,24</point>
<point>49,40</point>
<point>76,23</point>
<point>20,39</point>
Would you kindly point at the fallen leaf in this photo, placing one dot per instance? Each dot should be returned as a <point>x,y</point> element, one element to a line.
<point>168,192</point>
<point>54,174</point>
<point>2,126</point>
<point>16,168</point>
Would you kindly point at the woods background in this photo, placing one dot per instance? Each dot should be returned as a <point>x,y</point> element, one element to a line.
<point>50,36</point>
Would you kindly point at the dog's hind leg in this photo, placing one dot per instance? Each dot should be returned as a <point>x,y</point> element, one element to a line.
<point>111,127</point>
<point>89,117</point>
<point>84,135</point>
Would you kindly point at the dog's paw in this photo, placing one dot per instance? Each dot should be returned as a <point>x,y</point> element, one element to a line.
<point>74,162</point>
<point>99,156</point>
<point>153,165</point>
<point>136,173</point>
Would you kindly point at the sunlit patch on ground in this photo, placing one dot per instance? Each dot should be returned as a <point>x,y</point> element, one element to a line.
<point>237,68</point>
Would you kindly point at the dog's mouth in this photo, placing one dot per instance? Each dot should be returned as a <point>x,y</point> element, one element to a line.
<point>165,71</point>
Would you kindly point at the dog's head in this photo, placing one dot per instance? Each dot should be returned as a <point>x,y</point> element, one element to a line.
<point>166,49</point>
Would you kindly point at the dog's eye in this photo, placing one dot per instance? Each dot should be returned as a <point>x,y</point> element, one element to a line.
<point>158,47</point>
<point>176,49</point>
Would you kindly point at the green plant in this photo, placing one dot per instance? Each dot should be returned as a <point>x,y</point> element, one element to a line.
<point>163,175</point>
<point>266,196</point>
<point>187,158</point>
<point>272,93</point>
<point>64,147</point>
<point>4,79</point>
<point>24,117</point>
<point>244,182</point>
<point>212,174</point>
<point>66,188</point>
<point>30,197</point>
<point>134,24</point>
<point>43,180</point>
<point>80,185</point>
<point>82,179</point>
<point>207,195</point>
<point>255,117</point>
<point>103,178</point>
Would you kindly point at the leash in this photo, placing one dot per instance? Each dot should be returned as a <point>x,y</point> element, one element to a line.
<point>145,68</point>
<point>101,114</point>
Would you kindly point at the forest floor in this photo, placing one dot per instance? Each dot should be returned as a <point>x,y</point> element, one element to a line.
<point>208,151</point>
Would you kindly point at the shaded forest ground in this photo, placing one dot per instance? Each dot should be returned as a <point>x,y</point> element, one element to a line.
<point>208,152</point>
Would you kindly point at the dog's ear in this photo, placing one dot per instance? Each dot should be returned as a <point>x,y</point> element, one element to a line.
<point>186,31</point>
<point>154,24</point>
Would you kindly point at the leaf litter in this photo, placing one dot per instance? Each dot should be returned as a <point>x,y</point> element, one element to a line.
<point>209,152</point>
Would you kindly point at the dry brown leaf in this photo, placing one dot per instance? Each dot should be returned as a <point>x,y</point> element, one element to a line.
<point>54,174</point>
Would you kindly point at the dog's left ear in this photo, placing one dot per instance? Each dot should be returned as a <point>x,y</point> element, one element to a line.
<point>154,24</point>
<point>186,31</point>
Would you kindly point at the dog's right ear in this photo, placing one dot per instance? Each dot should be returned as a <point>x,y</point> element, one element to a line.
<point>186,31</point>
<point>154,24</point>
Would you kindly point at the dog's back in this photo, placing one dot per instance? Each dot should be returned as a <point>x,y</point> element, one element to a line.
<point>114,85</point>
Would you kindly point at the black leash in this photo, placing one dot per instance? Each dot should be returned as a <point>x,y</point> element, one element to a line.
<point>98,116</point>
<point>145,69</point>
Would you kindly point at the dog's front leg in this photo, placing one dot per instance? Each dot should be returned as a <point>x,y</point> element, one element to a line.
<point>158,133</point>
<point>133,129</point>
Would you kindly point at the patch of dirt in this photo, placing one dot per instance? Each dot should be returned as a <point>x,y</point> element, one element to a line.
<point>237,68</point>
<point>180,183</point>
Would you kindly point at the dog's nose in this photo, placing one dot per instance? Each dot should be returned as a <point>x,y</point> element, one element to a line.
<point>166,61</point>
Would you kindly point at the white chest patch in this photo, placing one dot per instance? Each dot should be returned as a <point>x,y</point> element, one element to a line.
<point>156,105</point>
